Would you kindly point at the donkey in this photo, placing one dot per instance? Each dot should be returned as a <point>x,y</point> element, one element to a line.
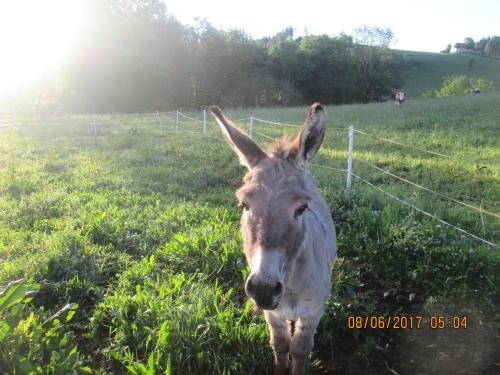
<point>288,234</point>
<point>399,99</point>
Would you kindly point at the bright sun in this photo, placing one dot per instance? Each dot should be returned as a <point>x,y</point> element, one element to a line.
<point>35,36</point>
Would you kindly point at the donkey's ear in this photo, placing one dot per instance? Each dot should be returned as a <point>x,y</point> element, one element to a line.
<point>247,150</point>
<point>308,142</point>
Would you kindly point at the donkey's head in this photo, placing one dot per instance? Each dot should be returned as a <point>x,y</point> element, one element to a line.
<point>275,199</point>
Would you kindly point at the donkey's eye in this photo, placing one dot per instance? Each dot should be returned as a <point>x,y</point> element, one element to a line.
<point>299,211</point>
<point>244,206</point>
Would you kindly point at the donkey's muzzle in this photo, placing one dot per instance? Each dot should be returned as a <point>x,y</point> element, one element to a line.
<point>265,295</point>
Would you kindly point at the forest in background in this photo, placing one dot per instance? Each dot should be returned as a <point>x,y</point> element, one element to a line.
<point>134,56</point>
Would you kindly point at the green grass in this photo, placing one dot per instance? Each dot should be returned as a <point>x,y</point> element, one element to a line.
<point>139,231</point>
<point>427,71</point>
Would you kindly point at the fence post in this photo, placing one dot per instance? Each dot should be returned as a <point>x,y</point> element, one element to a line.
<point>177,122</point>
<point>95,129</point>
<point>159,120</point>
<point>349,157</point>
<point>251,127</point>
<point>204,121</point>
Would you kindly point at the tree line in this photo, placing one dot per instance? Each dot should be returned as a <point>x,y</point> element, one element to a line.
<point>133,55</point>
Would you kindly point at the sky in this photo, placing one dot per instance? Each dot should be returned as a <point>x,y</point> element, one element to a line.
<point>419,25</point>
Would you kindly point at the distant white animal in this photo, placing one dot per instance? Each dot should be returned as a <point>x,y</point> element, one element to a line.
<point>400,98</point>
<point>475,90</point>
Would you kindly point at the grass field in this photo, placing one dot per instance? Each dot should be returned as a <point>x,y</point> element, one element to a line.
<point>130,235</point>
<point>427,71</point>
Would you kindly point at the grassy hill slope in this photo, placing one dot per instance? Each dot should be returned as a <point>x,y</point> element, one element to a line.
<point>425,70</point>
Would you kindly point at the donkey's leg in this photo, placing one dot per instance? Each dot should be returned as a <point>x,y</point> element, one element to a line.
<point>280,341</point>
<point>302,342</point>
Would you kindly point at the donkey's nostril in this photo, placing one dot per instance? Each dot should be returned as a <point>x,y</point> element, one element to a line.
<point>278,288</point>
<point>249,288</point>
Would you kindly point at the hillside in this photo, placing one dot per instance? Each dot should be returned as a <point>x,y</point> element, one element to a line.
<point>425,70</point>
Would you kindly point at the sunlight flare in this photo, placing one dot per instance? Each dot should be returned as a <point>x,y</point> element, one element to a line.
<point>35,36</point>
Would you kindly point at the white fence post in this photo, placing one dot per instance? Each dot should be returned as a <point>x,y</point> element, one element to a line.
<point>95,129</point>
<point>204,121</point>
<point>251,127</point>
<point>159,120</point>
<point>349,157</point>
<point>177,122</point>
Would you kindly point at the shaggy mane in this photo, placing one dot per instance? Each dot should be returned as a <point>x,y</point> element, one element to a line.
<point>281,148</point>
